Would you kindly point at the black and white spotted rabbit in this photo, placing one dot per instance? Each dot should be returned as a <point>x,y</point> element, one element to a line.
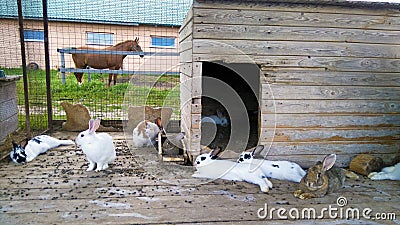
<point>281,170</point>
<point>207,166</point>
<point>34,147</point>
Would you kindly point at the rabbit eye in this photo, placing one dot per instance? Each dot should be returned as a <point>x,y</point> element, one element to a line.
<point>82,135</point>
<point>319,175</point>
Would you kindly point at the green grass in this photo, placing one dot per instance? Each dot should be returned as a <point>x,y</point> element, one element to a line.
<point>37,121</point>
<point>95,95</point>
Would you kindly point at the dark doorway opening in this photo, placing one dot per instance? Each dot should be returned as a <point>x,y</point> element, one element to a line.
<point>232,89</point>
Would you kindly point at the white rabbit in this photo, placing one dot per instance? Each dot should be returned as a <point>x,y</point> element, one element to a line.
<point>145,133</point>
<point>387,173</point>
<point>281,170</point>
<point>218,119</point>
<point>209,167</point>
<point>98,148</point>
<point>34,147</point>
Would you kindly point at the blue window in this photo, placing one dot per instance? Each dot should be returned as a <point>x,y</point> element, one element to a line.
<point>99,38</point>
<point>33,35</point>
<point>168,42</point>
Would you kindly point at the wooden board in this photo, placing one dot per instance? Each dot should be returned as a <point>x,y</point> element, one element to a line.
<point>186,30</point>
<point>186,22</point>
<point>186,69</point>
<point>324,78</point>
<point>329,92</point>
<point>242,33</point>
<point>290,7</point>
<point>323,63</point>
<point>330,121</point>
<point>325,148</point>
<point>296,48</point>
<point>186,45</point>
<point>285,18</point>
<point>186,56</point>
<point>361,107</point>
<point>330,134</point>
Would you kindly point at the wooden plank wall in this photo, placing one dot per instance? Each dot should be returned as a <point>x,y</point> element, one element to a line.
<point>190,88</point>
<point>334,73</point>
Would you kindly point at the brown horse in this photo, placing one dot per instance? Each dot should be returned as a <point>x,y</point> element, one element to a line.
<point>105,61</point>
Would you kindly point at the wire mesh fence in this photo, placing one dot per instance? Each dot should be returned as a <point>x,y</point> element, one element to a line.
<point>151,80</point>
<point>11,62</point>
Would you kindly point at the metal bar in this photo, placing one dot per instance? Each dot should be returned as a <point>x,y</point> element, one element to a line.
<point>47,65</point>
<point>106,52</point>
<point>25,77</point>
<point>63,66</point>
<point>156,73</point>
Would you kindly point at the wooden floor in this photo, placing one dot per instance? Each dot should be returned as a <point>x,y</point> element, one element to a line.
<point>55,188</point>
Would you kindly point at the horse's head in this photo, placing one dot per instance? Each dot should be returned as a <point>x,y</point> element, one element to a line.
<point>136,47</point>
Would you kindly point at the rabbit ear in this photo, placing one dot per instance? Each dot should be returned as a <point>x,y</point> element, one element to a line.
<point>158,122</point>
<point>96,124</point>
<point>329,161</point>
<point>15,145</point>
<point>203,151</point>
<point>257,150</point>
<point>24,143</point>
<point>214,153</point>
<point>91,124</point>
<point>219,113</point>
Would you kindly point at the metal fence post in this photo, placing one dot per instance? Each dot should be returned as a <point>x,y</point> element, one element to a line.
<point>62,66</point>
<point>24,74</point>
<point>47,62</point>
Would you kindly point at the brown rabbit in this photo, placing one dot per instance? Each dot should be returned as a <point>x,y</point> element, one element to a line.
<point>321,179</point>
